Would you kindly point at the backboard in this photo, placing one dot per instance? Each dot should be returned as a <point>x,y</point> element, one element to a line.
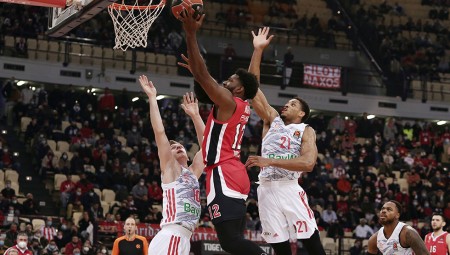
<point>62,20</point>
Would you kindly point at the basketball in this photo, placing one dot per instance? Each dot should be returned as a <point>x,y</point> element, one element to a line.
<point>178,8</point>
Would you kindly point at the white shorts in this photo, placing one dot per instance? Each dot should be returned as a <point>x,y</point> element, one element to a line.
<point>284,211</point>
<point>172,239</point>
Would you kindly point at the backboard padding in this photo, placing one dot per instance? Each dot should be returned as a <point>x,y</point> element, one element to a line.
<point>63,20</point>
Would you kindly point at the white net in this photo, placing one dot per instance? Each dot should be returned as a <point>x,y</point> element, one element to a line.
<point>132,22</point>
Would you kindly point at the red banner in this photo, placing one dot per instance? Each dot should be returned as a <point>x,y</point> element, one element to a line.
<point>150,230</point>
<point>326,77</point>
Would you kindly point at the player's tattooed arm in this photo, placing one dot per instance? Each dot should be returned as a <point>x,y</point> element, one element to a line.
<point>413,240</point>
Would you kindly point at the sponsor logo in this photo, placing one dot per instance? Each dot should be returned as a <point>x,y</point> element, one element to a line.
<point>188,208</point>
<point>297,134</point>
<point>138,246</point>
<point>289,156</point>
<point>395,246</point>
<point>265,233</point>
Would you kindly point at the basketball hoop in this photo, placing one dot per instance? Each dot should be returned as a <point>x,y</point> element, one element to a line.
<point>132,22</point>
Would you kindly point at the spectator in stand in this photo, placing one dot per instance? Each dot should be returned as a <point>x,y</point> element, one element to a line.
<point>3,246</point>
<point>48,231</point>
<point>8,192</point>
<point>139,190</point>
<point>337,123</point>
<point>74,203</point>
<point>64,164</point>
<point>74,247</point>
<point>357,248</point>
<point>86,227</point>
<point>11,234</point>
<point>329,216</point>
<point>89,198</point>
<point>51,248</point>
<point>363,231</point>
<point>133,166</point>
<point>106,101</point>
<point>104,178</point>
<point>84,184</point>
<point>155,192</point>
<point>413,177</point>
<point>48,164</point>
<point>30,207</point>
<point>66,188</point>
<point>21,246</point>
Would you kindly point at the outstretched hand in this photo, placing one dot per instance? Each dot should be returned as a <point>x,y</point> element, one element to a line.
<point>185,65</point>
<point>262,38</point>
<point>191,23</point>
<point>147,86</point>
<point>190,104</point>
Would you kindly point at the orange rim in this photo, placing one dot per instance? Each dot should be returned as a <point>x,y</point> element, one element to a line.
<point>123,7</point>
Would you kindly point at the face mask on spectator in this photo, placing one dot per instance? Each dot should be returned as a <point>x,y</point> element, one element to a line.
<point>22,245</point>
<point>85,248</point>
<point>78,193</point>
<point>2,243</point>
<point>141,183</point>
<point>49,223</point>
<point>102,169</point>
<point>104,251</point>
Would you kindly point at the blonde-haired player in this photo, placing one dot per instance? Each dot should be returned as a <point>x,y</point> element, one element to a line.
<point>181,190</point>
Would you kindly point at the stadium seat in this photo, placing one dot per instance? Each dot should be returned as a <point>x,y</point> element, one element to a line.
<point>122,140</point>
<point>105,207</point>
<point>98,192</point>
<point>58,179</point>
<point>11,175</point>
<point>76,217</point>
<point>75,178</point>
<point>63,146</point>
<point>128,150</point>
<point>2,176</point>
<point>37,223</point>
<point>51,144</point>
<point>2,185</point>
<point>24,121</point>
<point>108,195</point>
<point>15,187</point>
<point>64,125</point>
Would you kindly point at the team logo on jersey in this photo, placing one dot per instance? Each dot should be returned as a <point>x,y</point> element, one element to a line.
<point>395,247</point>
<point>297,134</point>
<point>138,246</point>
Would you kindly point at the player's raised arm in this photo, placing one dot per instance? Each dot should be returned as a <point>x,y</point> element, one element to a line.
<point>195,63</point>
<point>164,150</point>
<point>303,163</point>
<point>190,107</point>
<point>260,41</point>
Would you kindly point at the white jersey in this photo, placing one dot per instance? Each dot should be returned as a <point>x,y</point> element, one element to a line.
<point>181,201</point>
<point>392,245</point>
<point>281,142</point>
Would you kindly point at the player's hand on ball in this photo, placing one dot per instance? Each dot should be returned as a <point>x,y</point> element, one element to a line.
<point>147,86</point>
<point>190,104</point>
<point>190,22</point>
<point>257,161</point>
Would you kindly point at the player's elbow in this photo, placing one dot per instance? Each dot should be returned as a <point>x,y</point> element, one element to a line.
<point>309,166</point>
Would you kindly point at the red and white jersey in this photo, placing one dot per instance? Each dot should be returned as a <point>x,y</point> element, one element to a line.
<point>222,140</point>
<point>20,251</point>
<point>181,203</point>
<point>437,245</point>
<point>48,232</point>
